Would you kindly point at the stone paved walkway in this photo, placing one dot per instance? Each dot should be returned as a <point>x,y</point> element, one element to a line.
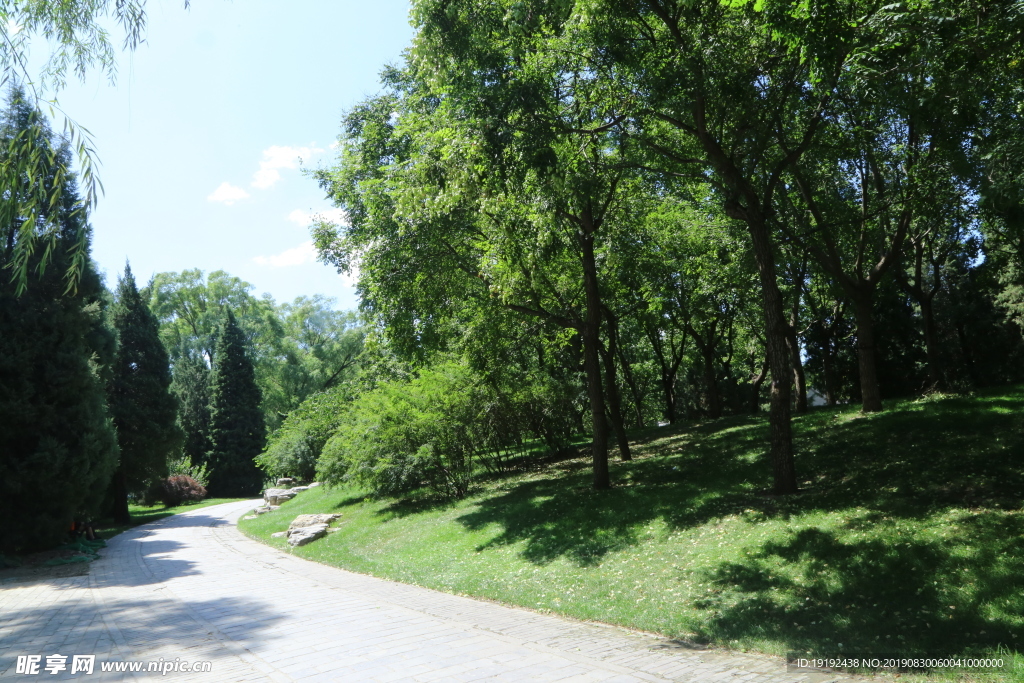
<point>192,587</point>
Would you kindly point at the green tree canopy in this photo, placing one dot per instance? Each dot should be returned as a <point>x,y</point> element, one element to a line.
<point>141,403</point>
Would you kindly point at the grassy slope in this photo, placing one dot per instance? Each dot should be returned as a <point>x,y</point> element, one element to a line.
<point>906,540</point>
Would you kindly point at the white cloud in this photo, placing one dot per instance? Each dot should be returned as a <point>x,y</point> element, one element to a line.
<point>304,218</point>
<point>277,157</point>
<point>296,256</point>
<point>228,194</point>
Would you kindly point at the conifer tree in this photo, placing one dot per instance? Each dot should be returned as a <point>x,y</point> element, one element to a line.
<point>141,403</point>
<point>191,384</point>
<point>237,430</point>
<point>57,441</point>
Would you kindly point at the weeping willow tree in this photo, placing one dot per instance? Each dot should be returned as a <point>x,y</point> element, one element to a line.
<point>74,34</point>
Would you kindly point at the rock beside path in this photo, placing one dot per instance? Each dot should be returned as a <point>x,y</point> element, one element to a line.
<point>306,534</point>
<point>278,496</point>
<point>310,520</point>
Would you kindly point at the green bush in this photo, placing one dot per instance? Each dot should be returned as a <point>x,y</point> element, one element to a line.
<point>404,435</point>
<point>295,447</point>
<point>183,466</point>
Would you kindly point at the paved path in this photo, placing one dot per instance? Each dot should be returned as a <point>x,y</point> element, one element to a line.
<point>192,587</point>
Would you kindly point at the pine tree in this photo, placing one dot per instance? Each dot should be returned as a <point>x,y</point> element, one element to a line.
<point>58,447</point>
<point>141,403</point>
<point>237,431</point>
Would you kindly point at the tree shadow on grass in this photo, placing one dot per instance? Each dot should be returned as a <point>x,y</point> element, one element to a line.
<point>349,502</point>
<point>565,517</point>
<point>959,451</point>
<point>823,595</point>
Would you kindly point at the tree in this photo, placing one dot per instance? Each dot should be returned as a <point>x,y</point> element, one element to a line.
<point>681,79</point>
<point>191,384</point>
<point>237,429</point>
<point>57,440</point>
<point>141,403</point>
<point>76,40</point>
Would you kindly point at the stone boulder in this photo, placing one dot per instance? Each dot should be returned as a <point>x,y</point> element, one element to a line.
<point>298,489</point>
<point>285,481</point>
<point>306,534</point>
<point>277,496</point>
<point>314,484</point>
<point>309,520</point>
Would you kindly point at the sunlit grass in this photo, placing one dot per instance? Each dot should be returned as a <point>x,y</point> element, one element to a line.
<point>907,539</point>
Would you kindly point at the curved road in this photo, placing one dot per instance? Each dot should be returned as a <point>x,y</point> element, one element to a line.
<point>192,588</point>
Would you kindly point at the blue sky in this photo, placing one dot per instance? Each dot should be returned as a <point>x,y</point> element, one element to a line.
<point>199,140</point>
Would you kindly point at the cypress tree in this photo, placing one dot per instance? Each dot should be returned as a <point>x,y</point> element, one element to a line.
<point>142,405</point>
<point>58,447</point>
<point>237,430</point>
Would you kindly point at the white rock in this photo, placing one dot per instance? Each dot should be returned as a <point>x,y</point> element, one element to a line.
<point>314,484</point>
<point>279,534</point>
<point>298,489</point>
<point>309,520</point>
<point>277,496</point>
<point>306,534</point>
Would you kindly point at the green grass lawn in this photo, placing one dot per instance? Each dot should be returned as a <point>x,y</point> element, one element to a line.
<point>141,514</point>
<point>907,539</point>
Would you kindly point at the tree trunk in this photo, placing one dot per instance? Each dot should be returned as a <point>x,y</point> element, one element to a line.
<point>931,344</point>
<point>755,386</point>
<point>591,333</point>
<point>707,353</point>
<point>612,390</point>
<point>668,390</point>
<point>828,369</point>
<point>799,378</point>
<point>871,397</point>
<point>634,390</point>
<point>777,329</point>
<point>711,385</point>
<point>119,491</point>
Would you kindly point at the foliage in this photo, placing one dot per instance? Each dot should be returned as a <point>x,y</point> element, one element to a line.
<point>295,447</point>
<point>403,436</point>
<point>58,441</point>
<point>185,467</point>
<point>297,348</point>
<point>138,393</point>
<point>191,385</point>
<point>179,488</point>
<point>76,39</point>
<point>237,431</point>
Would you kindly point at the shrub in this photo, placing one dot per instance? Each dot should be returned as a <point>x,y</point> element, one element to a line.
<point>179,489</point>
<point>184,466</point>
<point>295,447</point>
